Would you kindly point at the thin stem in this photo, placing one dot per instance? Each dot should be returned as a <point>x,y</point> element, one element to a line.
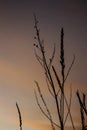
<point>20,119</point>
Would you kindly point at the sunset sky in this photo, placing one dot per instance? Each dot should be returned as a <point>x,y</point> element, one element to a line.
<point>19,67</point>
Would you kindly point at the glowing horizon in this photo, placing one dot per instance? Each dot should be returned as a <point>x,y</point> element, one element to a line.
<point>19,67</point>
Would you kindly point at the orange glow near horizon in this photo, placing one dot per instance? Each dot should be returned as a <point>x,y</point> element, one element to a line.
<point>19,67</point>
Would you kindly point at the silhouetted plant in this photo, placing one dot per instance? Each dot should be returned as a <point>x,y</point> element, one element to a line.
<point>83,110</point>
<point>59,93</point>
<point>20,118</point>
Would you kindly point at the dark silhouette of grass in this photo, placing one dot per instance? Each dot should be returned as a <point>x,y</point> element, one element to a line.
<point>20,118</point>
<point>57,94</point>
<point>83,109</point>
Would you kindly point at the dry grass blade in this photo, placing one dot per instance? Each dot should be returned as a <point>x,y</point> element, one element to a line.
<point>57,78</point>
<point>38,58</point>
<point>83,110</point>
<point>69,105</point>
<point>49,87</point>
<point>44,113</point>
<point>81,103</point>
<point>48,112</point>
<point>70,68</point>
<point>20,119</point>
<point>52,57</point>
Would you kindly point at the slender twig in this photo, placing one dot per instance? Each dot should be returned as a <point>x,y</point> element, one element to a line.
<point>49,87</point>
<point>56,75</point>
<point>38,58</point>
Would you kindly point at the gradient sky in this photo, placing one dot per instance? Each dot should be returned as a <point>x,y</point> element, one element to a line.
<point>18,65</point>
